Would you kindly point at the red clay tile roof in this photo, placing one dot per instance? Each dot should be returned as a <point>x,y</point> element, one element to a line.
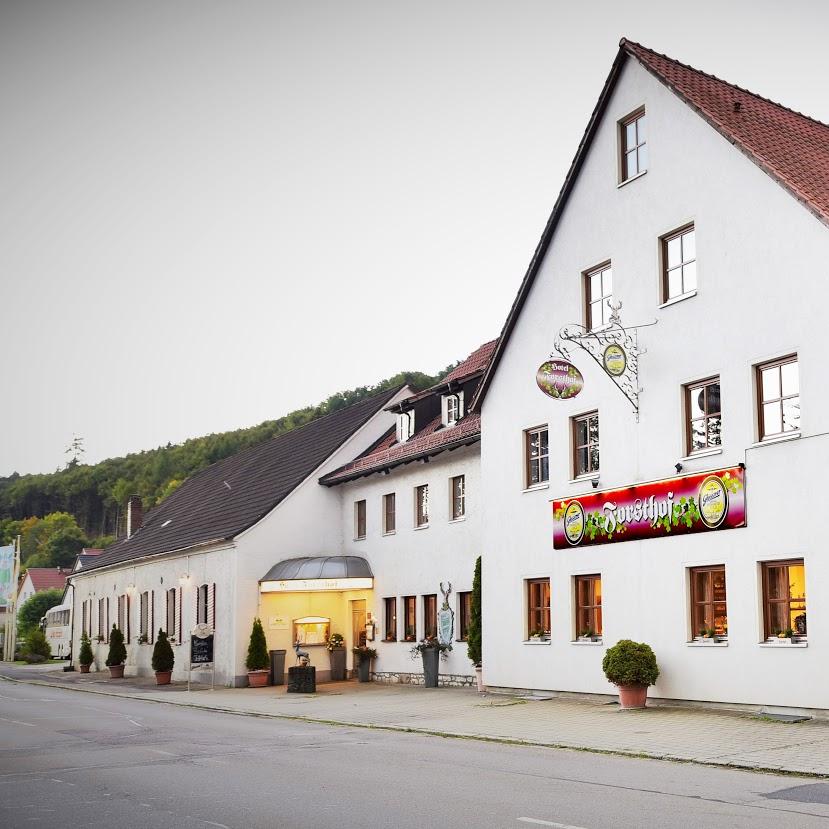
<point>45,578</point>
<point>430,440</point>
<point>789,146</point>
<point>475,362</point>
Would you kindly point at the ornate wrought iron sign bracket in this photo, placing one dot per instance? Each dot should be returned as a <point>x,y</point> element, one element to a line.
<point>615,349</point>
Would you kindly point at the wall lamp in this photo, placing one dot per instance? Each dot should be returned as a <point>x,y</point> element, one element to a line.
<point>184,579</point>
<point>678,467</point>
<point>595,483</point>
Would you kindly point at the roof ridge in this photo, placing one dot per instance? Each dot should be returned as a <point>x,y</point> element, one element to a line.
<point>624,43</point>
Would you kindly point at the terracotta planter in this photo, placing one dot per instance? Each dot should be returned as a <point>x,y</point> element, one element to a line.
<point>479,679</point>
<point>632,696</point>
<point>163,677</point>
<point>84,669</point>
<point>116,671</point>
<point>257,679</point>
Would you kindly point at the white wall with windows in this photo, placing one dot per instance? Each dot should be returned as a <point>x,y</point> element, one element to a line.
<point>746,290</point>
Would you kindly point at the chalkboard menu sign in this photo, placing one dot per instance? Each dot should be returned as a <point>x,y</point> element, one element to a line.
<point>201,650</point>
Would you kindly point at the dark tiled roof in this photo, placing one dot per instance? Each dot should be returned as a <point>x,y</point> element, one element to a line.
<point>220,501</point>
<point>792,148</point>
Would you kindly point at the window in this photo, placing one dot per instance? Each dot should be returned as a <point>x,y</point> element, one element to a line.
<point>709,613</point>
<point>201,605</point>
<point>422,505</point>
<point>144,613</point>
<point>634,147</point>
<point>598,292</point>
<point>103,619</point>
<point>784,599</point>
<point>410,618</point>
<point>703,421</point>
<point>452,408</point>
<point>124,616</point>
<point>538,607</point>
<point>391,619</point>
<point>588,606</point>
<point>679,263</point>
<point>778,396</point>
<point>171,614</point>
<point>464,615</point>
<point>537,453</point>
<point>405,426</point>
<point>388,513</point>
<point>430,616</point>
<point>360,519</point>
<point>457,488</point>
<point>586,444</point>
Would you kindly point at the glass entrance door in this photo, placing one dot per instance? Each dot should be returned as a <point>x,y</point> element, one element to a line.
<point>358,622</point>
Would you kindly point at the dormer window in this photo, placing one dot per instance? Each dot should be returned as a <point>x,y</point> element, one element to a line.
<point>452,408</point>
<point>405,426</point>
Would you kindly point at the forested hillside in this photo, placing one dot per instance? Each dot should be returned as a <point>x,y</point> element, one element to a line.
<point>95,494</point>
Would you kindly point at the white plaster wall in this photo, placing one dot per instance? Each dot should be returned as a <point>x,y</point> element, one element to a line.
<point>413,562</point>
<point>762,267</point>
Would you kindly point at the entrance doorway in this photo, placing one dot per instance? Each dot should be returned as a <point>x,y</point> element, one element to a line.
<point>358,622</point>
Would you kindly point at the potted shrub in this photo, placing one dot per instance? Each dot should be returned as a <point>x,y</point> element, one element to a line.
<point>631,666</point>
<point>363,656</point>
<point>430,650</point>
<point>336,653</point>
<point>473,633</point>
<point>117,655</point>
<point>257,659</point>
<point>163,659</point>
<point>85,657</point>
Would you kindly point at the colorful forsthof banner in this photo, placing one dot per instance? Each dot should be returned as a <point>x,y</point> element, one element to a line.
<point>6,574</point>
<point>659,509</point>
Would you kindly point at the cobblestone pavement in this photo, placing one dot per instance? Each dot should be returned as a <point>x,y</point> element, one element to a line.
<point>703,736</point>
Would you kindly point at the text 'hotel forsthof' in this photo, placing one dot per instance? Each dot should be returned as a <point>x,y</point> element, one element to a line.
<point>636,457</point>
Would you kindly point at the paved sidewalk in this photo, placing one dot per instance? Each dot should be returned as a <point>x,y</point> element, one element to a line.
<point>701,736</point>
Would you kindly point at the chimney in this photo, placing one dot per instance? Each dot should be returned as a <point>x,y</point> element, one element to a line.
<point>135,514</point>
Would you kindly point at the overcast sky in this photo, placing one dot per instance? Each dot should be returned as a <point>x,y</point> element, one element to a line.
<point>214,213</point>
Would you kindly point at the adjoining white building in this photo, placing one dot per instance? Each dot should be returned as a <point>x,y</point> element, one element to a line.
<point>703,209</point>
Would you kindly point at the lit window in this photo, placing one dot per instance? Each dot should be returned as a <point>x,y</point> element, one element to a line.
<point>784,599</point>
<point>464,615</point>
<point>430,616</point>
<point>538,607</point>
<point>389,516</point>
<point>709,612</point>
<point>359,520</point>
<point>588,606</point>
<point>410,618</point>
<point>586,444</point>
<point>391,619</point>
<point>778,396</point>
<point>422,505</point>
<point>458,489</point>
<point>634,145</point>
<point>598,293</point>
<point>537,456</point>
<point>703,421</point>
<point>679,263</point>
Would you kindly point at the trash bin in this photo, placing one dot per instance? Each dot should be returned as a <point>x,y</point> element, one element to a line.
<point>277,675</point>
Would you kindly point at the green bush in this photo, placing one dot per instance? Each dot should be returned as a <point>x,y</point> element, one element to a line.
<point>163,658</point>
<point>37,646</point>
<point>473,634</point>
<point>34,609</point>
<point>257,649</point>
<point>630,663</point>
<point>117,651</point>
<point>85,657</point>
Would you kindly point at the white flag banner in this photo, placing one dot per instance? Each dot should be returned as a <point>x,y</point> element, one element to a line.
<point>6,574</point>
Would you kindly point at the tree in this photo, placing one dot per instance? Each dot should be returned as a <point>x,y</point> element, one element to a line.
<point>257,648</point>
<point>117,651</point>
<point>36,646</point>
<point>473,634</point>
<point>34,609</point>
<point>163,657</point>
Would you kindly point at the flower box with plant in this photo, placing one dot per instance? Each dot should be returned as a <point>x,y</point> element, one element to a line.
<point>589,635</point>
<point>143,639</point>
<point>363,656</point>
<point>163,659</point>
<point>631,666</point>
<point>117,655</point>
<point>335,645</point>
<point>539,636</point>
<point>784,637</point>
<point>100,638</point>
<point>257,658</point>
<point>85,657</point>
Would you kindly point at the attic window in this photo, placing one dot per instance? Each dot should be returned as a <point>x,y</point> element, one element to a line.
<point>405,426</point>
<point>452,408</point>
<point>634,148</point>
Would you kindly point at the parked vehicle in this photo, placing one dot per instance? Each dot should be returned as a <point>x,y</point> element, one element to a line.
<point>57,625</point>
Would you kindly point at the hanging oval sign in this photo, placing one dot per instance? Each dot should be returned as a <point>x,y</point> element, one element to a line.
<point>615,360</point>
<point>560,379</point>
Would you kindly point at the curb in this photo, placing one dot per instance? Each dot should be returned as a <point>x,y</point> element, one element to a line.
<point>456,735</point>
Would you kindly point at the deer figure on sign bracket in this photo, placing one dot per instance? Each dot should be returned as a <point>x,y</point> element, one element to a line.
<point>303,658</point>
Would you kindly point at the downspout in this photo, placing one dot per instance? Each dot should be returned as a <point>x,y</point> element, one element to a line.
<point>72,629</point>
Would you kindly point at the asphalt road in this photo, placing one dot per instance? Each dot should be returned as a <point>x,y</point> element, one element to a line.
<point>74,759</point>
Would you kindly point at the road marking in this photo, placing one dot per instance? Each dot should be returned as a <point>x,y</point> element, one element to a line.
<point>161,751</point>
<point>210,823</point>
<point>136,723</point>
<point>539,822</point>
<point>17,722</point>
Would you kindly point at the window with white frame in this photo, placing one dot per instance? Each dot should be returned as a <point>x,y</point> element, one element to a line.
<point>359,520</point>
<point>452,408</point>
<point>634,147</point>
<point>598,294</point>
<point>405,426</point>
<point>679,263</point>
<point>457,488</point>
<point>171,613</point>
<point>422,505</point>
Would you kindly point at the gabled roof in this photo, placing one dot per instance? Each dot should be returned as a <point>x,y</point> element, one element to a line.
<point>790,147</point>
<point>46,578</point>
<point>219,502</point>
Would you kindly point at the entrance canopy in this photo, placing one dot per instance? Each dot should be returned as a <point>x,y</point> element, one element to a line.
<point>318,573</point>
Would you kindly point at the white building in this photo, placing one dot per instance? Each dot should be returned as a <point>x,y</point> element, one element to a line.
<point>703,208</point>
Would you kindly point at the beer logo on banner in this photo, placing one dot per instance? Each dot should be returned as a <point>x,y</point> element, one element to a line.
<point>574,522</point>
<point>559,379</point>
<point>712,501</point>
<point>615,360</point>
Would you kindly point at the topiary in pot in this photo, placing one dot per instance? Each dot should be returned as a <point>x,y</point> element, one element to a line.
<point>257,659</point>
<point>85,657</point>
<point>117,653</point>
<point>163,659</point>
<point>631,666</point>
